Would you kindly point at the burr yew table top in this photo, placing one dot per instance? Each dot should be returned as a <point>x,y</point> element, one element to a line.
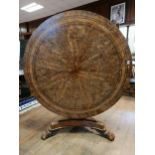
<point>75,64</point>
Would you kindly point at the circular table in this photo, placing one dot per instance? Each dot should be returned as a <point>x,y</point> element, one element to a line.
<point>75,64</point>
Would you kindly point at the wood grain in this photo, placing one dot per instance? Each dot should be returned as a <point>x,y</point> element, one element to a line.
<point>75,64</point>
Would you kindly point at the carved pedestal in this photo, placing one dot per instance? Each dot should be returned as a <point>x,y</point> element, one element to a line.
<point>91,124</point>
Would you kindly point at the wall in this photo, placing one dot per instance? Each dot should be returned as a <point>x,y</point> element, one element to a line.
<point>101,7</point>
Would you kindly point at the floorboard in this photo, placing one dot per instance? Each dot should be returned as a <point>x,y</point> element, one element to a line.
<point>120,119</point>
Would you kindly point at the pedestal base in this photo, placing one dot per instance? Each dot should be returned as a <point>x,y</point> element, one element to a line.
<point>91,124</point>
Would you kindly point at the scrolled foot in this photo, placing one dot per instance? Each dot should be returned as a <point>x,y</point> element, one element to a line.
<point>110,136</point>
<point>44,136</point>
<point>48,134</point>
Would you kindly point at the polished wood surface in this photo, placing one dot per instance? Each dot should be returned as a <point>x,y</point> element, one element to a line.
<point>95,126</point>
<point>120,118</point>
<point>75,64</point>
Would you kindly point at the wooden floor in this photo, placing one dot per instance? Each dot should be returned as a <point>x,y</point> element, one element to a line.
<point>119,119</point>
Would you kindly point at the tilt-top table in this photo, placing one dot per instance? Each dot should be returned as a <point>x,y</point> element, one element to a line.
<point>76,66</point>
